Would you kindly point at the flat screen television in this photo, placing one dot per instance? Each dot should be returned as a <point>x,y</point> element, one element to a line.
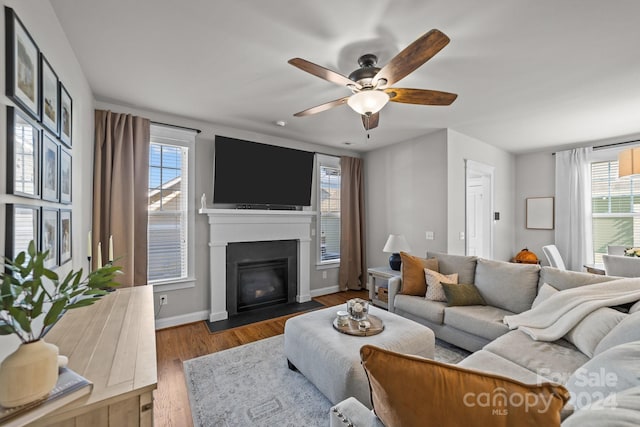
<point>250,173</point>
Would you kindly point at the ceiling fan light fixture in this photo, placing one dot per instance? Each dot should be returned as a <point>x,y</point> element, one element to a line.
<point>368,102</point>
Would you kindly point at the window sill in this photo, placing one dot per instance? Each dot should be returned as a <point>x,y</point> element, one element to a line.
<point>174,285</point>
<point>327,265</point>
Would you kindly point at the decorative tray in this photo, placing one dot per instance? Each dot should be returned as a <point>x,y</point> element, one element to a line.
<point>351,328</point>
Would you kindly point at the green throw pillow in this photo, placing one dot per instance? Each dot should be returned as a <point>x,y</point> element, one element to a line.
<point>462,294</point>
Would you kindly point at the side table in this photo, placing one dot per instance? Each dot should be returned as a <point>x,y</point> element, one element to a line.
<point>377,277</point>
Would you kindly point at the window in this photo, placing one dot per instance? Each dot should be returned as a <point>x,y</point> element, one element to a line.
<point>329,209</point>
<point>169,232</point>
<point>616,208</point>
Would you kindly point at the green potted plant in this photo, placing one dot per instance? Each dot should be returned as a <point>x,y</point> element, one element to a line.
<point>29,291</point>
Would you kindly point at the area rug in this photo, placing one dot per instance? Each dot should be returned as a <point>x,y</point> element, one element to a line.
<point>251,385</point>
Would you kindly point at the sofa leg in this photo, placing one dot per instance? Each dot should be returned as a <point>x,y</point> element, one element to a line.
<point>291,366</point>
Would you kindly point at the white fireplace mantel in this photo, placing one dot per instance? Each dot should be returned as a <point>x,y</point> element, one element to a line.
<point>239,225</point>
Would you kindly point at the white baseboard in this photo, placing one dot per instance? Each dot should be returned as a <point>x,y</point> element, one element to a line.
<point>324,291</point>
<point>167,322</point>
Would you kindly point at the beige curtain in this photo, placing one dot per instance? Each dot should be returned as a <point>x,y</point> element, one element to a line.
<point>120,186</point>
<point>353,271</point>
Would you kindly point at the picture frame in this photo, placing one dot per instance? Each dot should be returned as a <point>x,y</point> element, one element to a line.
<point>540,213</point>
<point>50,99</point>
<point>49,236</point>
<point>22,225</point>
<point>23,65</point>
<point>66,171</point>
<point>66,238</point>
<point>50,167</point>
<point>23,154</point>
<point>66,116</point>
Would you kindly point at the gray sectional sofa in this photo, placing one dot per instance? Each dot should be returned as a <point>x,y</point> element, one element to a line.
<point>598,360</point>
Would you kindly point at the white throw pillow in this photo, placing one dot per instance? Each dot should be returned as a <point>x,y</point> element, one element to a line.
<point>545,291</point>
<point>635,307</point>
<point>587,334</point>
<point>434,286</point>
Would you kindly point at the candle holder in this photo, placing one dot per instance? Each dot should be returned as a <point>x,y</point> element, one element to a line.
<point>358,309</point>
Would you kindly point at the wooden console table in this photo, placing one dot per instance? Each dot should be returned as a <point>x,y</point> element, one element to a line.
<point>113,344</point>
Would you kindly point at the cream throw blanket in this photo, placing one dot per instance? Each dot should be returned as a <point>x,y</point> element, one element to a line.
<point>557,315</point>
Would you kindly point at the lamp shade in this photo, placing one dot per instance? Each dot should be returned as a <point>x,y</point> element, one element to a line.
<point>368,101</point>
<point>396,243</point>
<point>629,162</point>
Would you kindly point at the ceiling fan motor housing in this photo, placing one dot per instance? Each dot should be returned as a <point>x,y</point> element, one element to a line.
<point>367,70</point>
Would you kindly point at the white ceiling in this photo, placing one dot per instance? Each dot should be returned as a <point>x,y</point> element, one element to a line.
<point>529,74</point>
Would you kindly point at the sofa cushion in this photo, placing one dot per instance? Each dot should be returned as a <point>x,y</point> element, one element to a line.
<point>433,311</point>
<point>413,281</point>
<point>635,307</point>
<point>587,334</point>
<point>506,285</point>
<point>465,266</point>
<point>623,411</point>
<point>565,279</point>
<point>481,320</point>
<point>626,331</point>
<point>464,294</point>
<point>412,391</point>
<point>486,361</point>
<point>555,360</point>
<point>543,293</point>
<point>611,371</point>
<point>434,284</point>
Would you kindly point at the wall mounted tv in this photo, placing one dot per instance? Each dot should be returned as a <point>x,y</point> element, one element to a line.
<point>250,173</point>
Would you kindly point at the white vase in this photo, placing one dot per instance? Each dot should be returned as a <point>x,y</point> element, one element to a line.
<point>28,374</point>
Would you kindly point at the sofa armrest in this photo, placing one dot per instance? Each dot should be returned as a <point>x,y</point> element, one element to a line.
<point>351,413</point>
<point>394,287</point>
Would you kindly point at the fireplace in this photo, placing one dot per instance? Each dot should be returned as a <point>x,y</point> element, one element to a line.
<point>261,274</point>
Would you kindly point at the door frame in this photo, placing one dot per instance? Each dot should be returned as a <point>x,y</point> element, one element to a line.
<point>472,171</point>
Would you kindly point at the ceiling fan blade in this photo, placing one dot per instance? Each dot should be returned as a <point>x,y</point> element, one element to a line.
<point>371,121</point>
<point>413,56</point>
<point>420,96</point>
<point>323,73</point>
<point>322,107</point>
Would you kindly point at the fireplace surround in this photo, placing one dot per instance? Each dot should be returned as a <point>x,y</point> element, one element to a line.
<point>238,225</point>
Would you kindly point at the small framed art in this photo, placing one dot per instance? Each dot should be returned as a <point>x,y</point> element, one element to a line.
<point>50,164</point>
<point>49,236</point>
<point>65,236</point>
<point>23,65</point>
<point>65,176</point>
<point>540,213</point>
<point>49,105</point>
<point>66,116</point>
<point>23,224</point>
<point>23,151</point>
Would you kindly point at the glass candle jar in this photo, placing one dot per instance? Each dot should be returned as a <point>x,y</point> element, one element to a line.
<point>358,308</point>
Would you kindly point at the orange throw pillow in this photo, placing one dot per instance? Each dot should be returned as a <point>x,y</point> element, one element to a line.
<point>455,396</point>
<point>413,280</point>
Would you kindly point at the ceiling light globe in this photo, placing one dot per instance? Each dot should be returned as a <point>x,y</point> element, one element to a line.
<point>368,101</point>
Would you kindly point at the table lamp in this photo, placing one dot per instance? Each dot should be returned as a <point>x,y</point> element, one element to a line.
<point>395,244</point>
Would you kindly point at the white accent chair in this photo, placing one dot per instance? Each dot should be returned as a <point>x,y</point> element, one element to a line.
<point>616,249</point>
<point>622,266</point>
<point>554,257</point>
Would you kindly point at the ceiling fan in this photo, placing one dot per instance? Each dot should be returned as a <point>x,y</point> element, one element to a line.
<point>371,86</point>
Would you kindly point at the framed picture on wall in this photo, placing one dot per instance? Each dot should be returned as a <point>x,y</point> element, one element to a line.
<point>66,116</point>
<point>49,236</point>
<point>49,105</point>
<point>23,224</point>
<point>50,163</point>
<point>23,65</point>
<point>65,236</point>
<point>65,176</point>
<point>23,154</point>
<point>540,215</point>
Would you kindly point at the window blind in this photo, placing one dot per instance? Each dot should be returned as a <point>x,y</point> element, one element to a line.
<point>329,213</point>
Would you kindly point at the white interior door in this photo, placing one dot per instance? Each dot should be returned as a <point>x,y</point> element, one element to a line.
<point>479,209</point>
<point>475,220</point>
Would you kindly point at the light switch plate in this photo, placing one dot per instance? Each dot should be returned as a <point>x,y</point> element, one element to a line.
<point>430,235</point>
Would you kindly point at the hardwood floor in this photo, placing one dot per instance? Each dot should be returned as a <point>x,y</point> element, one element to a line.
<point>175,345</point>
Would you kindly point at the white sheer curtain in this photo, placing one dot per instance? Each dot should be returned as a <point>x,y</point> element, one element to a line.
<point>574,233</point>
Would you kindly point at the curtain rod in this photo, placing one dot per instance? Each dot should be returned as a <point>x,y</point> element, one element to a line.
<point>613,144</point>
<point>176,126</point>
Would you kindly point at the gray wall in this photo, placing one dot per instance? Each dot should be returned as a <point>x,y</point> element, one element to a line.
<point>42,23</point>
<point>405,193</point>
<point>535,177</point>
